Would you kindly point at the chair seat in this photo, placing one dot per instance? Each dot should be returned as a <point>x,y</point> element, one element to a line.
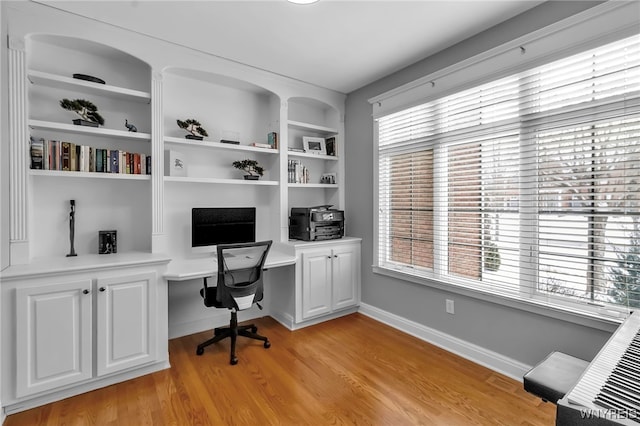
<point>554,376</point>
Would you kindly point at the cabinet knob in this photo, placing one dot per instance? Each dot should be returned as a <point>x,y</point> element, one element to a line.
<point>102,288</point>
<point>85,291</point>
<point>328,257</point>
<point>335,255</point>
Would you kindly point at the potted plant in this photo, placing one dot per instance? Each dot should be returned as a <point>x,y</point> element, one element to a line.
<point>85,109</point>
<point>196,131</point>
<point>252,167</point>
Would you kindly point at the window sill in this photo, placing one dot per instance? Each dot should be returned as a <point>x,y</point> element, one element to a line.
<point>584,318</point>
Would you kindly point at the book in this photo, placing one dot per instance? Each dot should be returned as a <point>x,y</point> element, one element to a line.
<point>148,158</point>
<point>136,164</point>
<point>65,156</point>
<point>262,145</point>
<point>36,150</point>
<point>92,159</point>
<point>331,146</point>
<point>73,157</point>
<point>99,164</point>
<point>114,160</point>
<point>272,140</point>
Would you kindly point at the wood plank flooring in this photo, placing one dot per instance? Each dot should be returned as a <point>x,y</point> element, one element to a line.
<point>353,370</point>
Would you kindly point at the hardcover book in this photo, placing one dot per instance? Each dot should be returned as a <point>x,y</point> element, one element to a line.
<point>331,146</point>
<point>115,161</point>
<point>66,156</point>
<point>37,150</point>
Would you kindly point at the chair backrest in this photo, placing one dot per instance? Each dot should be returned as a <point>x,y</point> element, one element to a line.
<point>240,273</point>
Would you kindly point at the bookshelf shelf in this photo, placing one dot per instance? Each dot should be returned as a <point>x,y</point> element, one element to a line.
<point>62,82</point>
<point>88,175</point>
<point>94,131</point>
<point>181,179</point>
<point>312,127</point>
<point>314,156</point>
<point>170,140</point>
<point>314,185</point>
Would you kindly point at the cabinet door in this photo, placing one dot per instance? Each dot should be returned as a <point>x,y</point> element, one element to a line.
<point>53,341</point>
<point>126,322</point>
<point>345,276</point>
<point>316,282</point>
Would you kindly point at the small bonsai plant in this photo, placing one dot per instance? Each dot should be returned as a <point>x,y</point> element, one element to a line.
<point>252,167</point>
<point>85,109</point>
<point>194,127</point>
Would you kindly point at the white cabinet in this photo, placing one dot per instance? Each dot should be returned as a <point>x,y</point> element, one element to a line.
<point>55,325</point>
<point>126,329</point>
<point>53,333</point>
<point>329,280</point>
<point>81,323</point>
<point>316,282</point>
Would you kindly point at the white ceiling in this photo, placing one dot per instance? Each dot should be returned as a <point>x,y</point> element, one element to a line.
<point>337,44</point>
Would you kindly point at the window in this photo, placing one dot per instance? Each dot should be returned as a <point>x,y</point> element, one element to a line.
<point>526,187</point>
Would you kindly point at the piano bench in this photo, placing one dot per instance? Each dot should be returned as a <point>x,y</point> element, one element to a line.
<point>554,376</point>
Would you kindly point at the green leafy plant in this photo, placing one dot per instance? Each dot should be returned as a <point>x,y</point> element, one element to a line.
<point>85,109</point>
<point>250,166</point>
<point>194,127</point>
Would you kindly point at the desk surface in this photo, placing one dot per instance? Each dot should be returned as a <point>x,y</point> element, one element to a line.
<point>191,268</point>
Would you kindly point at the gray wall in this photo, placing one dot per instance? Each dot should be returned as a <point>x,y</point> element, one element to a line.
<point>520,335</point>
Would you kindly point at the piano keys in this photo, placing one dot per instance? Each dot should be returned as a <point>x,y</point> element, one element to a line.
<point>608,393</point>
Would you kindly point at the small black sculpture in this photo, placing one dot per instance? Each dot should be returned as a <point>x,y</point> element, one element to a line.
<point>131,127</point>
<point>72,227</point>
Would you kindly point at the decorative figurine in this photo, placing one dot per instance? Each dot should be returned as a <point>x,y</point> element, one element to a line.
<point>85,109</point>
<point>195,129</point>
<point>131,127</point>
<point>72,227</point>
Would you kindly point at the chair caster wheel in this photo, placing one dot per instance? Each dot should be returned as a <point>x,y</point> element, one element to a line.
<point>267,344</point>
<point>254,329</point>
<point>199,351</point>
<point>233,361</point>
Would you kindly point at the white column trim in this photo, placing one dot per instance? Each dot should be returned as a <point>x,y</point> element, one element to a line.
<point>157,163</point>
<point>18,151</point>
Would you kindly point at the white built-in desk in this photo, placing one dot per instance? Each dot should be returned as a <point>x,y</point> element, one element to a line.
<point>207,266</point>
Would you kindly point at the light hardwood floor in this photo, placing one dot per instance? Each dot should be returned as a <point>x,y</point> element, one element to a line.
<point>352,370</point>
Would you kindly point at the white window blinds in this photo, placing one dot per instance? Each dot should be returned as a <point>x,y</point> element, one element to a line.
<point>528,186</point>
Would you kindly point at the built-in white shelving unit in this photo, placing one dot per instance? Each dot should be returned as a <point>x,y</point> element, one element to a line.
<point>150,84</point>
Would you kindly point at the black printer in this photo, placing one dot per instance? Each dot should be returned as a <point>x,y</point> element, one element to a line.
<point>316,223</point>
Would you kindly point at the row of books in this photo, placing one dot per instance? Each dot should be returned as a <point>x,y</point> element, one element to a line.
<point>297,172</point>
<point>67,156</point>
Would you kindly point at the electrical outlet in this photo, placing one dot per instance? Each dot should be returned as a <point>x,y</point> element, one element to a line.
<point>450,307</point>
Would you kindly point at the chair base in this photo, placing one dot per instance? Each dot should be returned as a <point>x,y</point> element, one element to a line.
<point>233,331</point>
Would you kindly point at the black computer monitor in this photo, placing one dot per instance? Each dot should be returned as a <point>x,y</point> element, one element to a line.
<point>211,226</point>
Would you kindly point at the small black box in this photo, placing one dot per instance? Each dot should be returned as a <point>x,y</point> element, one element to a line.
<point>107,242</point>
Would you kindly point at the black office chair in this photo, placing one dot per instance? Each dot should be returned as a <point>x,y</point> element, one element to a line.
<point>239,286</point>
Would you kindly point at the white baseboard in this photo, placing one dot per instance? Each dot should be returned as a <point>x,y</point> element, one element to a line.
<point>485,357</point>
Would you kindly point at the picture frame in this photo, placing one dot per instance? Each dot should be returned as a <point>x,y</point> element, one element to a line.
<point>328,178</point>
<point>313,145</point>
